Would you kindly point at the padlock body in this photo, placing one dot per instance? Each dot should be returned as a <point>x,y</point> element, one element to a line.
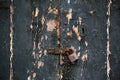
<point>73,57</point>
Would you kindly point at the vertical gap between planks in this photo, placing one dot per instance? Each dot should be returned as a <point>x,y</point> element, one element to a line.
<point>108,39</point>
<point>11,39</point>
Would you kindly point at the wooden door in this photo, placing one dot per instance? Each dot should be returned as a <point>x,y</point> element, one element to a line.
<point>39,25</point>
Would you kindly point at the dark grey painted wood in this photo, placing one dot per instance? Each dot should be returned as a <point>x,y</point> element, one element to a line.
<point>4,40</point>
<point>115,40</point>
<point>25,65</point>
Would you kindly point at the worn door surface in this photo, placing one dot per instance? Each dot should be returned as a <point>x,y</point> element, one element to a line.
<point>39,25</point>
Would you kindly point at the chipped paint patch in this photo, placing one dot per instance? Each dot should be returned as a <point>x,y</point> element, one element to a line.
<point>45,52</point>
<point>73,48</point>
<point>39,46</point>
<point>80,20</point>
<point>51,25</point>
<point>84,57</point>
<point>69,15</point>
<point>68,1</point>
<point>36,11</point>
<point>69,34</point>
<point>34,75</point>
<point>43,78</point>
<point>29,78</point>
<point>78,54</point>
<point>31,26</point>
<point>86,43</point>
<point>33,53</point>
<point>40,64</point>
<point>60,75</point>
<point>52,10</point>
<point>42,38</point>
<point>79,48</point>
<point>46,37</point>
<point>43,21</point>
<point>75,29</point>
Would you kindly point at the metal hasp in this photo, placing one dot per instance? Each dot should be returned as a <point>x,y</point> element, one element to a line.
<point>72,56</point>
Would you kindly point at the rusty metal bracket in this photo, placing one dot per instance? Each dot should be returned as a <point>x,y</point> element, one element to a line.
<point>67,51</point>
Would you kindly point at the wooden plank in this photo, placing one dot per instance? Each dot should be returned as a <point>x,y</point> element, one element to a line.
<point>92,48</point>
<point>35,31</point>
<point>4,44</point>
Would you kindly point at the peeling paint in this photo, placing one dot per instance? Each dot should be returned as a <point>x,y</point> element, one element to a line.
<point>33,53</point>
<point>34,75</point>
<point>11,39</point>
<point>45,52</point>
<point>108,39</point>
<point>60,75</point>
<point>31,26</point>
<point>68,1</point>
<point>42,38</point>
<point>78,54</point>
<point>29,78</point>
<point>84,57</point>
<point>80,20</point>
<point>36,11</point>
<point>39,46</point>
<point>52,10</point>
<point>34,45</point>
<point>86,43</point>
<point>79,48</point>
<point>43,78</point>
<point>91,12</point>
<point>40,54</point>
<point>69,15</point>
<point>73,48</point>
<point>75,29</point>
<point>69,34</point>
<point>40,64</point>
<point>46,37</point>
<point>51,25</point>
<point>43,21</point>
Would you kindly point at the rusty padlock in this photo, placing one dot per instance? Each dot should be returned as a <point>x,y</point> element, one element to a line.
<point>67,51</point>
<point>71,55</point>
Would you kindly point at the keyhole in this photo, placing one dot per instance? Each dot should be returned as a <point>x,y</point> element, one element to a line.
<point>83,30</point>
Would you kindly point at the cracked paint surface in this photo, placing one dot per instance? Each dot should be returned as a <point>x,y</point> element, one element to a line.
<point>31,58</point>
